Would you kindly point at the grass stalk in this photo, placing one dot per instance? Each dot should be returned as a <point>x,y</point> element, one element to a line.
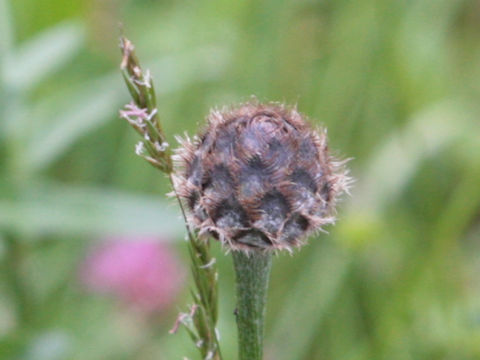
<point>142,114</point>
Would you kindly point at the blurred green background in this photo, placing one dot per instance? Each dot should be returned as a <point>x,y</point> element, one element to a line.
<point>397,83</point>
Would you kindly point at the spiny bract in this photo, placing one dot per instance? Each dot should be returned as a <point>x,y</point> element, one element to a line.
<point>258,178</point>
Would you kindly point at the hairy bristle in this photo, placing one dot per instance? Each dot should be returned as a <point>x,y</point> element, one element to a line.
<point>259,177</point>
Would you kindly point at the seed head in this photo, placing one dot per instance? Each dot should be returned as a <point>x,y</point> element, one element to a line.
<point>258,178</point>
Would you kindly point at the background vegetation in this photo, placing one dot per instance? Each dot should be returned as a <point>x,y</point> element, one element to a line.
<point>397,84</point>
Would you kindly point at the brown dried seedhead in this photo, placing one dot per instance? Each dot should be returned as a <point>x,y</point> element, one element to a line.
<point>258,178</point>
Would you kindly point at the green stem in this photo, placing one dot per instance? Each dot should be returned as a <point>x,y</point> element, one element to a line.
<point>252,272</point>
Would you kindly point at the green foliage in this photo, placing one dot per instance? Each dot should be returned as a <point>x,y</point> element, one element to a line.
<point>396,84</point>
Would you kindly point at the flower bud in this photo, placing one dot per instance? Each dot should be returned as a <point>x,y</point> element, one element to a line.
<point>259,177</point>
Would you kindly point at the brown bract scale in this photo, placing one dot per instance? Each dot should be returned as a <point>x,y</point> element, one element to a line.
<point>258,178</point>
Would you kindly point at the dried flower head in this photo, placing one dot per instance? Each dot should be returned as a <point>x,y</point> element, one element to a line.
<point>258,177</point>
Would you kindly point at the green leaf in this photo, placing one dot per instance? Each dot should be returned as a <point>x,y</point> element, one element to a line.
<point>398,158</point>
<point>94,103</point>
<point>44,54</point>
<point>54,208</point>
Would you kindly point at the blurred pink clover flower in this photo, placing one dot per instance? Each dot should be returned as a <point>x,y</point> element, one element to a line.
<point>142,272</point>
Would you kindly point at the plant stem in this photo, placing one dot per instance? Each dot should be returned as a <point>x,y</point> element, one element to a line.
<point>252,272</point>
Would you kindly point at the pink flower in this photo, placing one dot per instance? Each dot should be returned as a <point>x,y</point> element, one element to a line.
<point>141,272</point>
